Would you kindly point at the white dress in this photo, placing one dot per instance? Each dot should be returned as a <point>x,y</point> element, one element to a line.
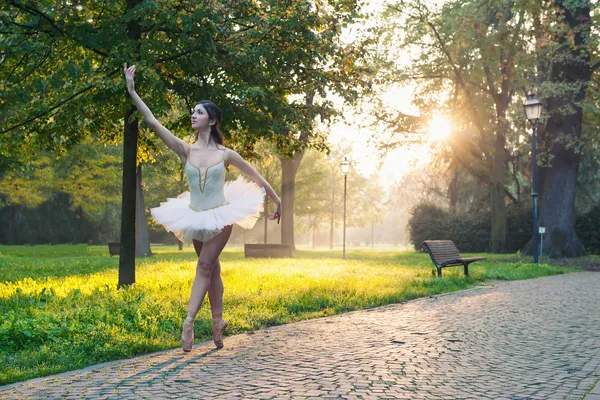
<point>211,204</point>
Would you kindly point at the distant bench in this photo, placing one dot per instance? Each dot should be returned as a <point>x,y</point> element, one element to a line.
<point>268,250</point>
<point>114,248</point>
<point>444,253</point>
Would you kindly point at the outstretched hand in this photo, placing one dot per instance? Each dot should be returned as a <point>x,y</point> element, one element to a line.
<point>129,74</point>
<point>276,214</point>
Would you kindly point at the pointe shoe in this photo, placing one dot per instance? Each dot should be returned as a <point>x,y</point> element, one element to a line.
<point>187,335</point>
<point>218,329</point>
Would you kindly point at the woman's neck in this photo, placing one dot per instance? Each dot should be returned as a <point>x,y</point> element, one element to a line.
<point>204,140</point>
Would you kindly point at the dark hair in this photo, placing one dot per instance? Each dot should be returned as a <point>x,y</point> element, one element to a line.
<point>214,114</point>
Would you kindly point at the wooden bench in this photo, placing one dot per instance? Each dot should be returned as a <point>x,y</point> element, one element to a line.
<point>114,248</point>
<point>444,253</point>
<point>269,250</point>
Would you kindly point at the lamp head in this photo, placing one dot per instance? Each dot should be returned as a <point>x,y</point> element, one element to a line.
<point>345,165</point>
<point>533,108</point>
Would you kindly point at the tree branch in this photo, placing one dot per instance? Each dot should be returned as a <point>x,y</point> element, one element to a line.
<point>461,81</point>
<point>23,58</point>
<point>176,56</point>
<point>38,65</point>
<point>491,85</point>
<point>34,11</point>
<point>61,103</point>
<point>510,196</point>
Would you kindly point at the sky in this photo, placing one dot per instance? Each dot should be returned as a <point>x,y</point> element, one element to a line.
<point>350,133</point>
<point>364,154</point>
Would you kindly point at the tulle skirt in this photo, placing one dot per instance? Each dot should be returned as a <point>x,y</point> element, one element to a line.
<point>244,203</point>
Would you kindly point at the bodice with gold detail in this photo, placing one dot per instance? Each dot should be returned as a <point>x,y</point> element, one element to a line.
<point>206,184</point>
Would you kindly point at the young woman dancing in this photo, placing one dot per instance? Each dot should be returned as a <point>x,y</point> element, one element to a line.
<point>208,211</point>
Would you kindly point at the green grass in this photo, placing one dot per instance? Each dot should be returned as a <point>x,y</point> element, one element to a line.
<point>60,309</point>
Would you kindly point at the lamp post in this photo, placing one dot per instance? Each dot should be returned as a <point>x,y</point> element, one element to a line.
<point>533,110</point>
<point>345,169</point>
<point>309,226</point>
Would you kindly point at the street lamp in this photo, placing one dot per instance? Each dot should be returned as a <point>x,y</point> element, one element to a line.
<point>309,226</point>
<point>533,109</point>
<point>345,169</point>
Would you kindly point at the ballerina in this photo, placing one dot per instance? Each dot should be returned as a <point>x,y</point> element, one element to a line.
<point>206,214</point>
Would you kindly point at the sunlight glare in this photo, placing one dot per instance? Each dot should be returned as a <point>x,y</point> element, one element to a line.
<point>439,129</point>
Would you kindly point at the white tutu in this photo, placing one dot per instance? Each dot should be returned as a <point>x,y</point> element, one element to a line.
<point>244,203</point>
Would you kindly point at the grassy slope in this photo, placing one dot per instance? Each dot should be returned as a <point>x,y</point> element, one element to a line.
<point>60,310</point>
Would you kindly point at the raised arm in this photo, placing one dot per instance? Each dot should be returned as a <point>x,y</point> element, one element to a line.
<point>173,142</point>
<point>233,158</point>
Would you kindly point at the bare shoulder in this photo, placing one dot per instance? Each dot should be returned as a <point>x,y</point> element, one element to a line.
<point>230,154</point>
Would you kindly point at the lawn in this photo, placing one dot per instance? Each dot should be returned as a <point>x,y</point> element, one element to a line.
<point>60,309</point>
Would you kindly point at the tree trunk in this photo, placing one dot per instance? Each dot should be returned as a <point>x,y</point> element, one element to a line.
<point>142,241</point>
<point>331,229</point>
<point>499,214</point>
<point>570,69</point>
<point>453,191</point>
<point>12,223</point>
<point>130,138</point>
<point>332,208</point>
<point>128,202</point>
<point>289,167</point>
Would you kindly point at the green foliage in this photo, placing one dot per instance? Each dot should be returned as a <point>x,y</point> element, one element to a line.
<point>60,309</point>
<point>56,220</point>
<point>250,58</point>
<point>470,232</point>
<point>71,198</point>
<point>473,61</point>
<point>311,197</point>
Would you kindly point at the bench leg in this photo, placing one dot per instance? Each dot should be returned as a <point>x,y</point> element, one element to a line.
<point>466,269</point>
<point>439,272</point>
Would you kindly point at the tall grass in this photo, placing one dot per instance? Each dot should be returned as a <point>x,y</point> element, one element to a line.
<point>60,308</point>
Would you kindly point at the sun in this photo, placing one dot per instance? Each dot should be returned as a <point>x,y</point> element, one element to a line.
<point>439,128</point>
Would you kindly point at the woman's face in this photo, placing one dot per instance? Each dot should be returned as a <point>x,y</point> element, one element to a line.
<point>200,118</point>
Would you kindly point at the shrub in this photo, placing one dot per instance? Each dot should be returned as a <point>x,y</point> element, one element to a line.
<point>429,221</point>
<point>470,232</point>
<point>587,227</point>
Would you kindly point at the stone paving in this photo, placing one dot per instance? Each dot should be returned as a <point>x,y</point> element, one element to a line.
<point>533,339</point>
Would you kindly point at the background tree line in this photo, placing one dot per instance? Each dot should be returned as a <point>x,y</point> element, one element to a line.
<point>76,198</point>
<point>61,81</point>
<point>475,61</point>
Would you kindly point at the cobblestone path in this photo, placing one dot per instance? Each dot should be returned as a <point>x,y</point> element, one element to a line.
<point>532,339</point>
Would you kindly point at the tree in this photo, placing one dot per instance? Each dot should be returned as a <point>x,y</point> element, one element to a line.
<point>468,56</point>
<point>477,56</point>
<point>563,91</point>
<point>268,166</point>
<point>250,58</point>
<point>364,195</point>
<point>312,186</point>
<point>88,176</point>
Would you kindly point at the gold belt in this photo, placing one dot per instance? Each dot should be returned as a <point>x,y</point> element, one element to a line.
<point>206,209</point>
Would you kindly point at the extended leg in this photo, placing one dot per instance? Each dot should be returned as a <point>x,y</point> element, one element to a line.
<point>209,254</point>
<point>215,287</point>
<point>206,263</point>
<point>215,292</point>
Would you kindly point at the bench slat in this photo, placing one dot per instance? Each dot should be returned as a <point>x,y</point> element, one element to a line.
<point>444,253</point>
